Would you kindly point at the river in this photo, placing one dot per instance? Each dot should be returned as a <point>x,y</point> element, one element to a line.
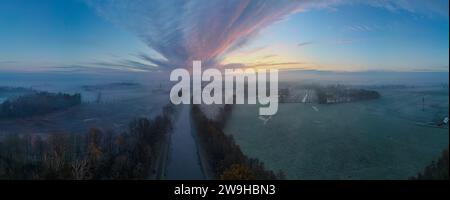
<point>183,161</point>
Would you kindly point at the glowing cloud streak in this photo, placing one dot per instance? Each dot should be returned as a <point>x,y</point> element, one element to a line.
<point>182,31</point>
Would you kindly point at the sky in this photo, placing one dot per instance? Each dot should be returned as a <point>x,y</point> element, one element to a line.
<point>141,36</point>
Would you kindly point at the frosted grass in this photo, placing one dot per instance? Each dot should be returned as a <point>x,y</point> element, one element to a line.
<point>365,140</point>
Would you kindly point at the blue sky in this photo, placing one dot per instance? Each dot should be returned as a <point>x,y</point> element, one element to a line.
<point>37,35</point>
<point>349,35</point>
<point>363,38</point>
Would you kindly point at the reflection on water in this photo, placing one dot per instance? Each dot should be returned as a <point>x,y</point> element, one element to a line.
<point>184,163</point>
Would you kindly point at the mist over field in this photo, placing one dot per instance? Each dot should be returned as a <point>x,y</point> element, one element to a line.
<point>387,138</point>
<point>85,90</point>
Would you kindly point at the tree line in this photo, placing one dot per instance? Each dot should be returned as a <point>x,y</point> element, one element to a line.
<point>223,154</point>
<point>37,104</point>
<point>436,170</point>
<point>341,94</point>
<point>15,90</point>
<point>95,155</point>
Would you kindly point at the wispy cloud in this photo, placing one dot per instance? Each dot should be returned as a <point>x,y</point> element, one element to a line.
<point>361,28</point>
<point>304,44</point>
<point>126,65</point>
<point>269,65</point>
<point>95,68</point>
<point>424,7</point>
<point>427,7</point>
<point>269,56</point>
<point>182,31</point>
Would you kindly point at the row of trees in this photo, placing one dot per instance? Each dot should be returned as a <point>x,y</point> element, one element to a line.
<point>437,170</point>
<point>222,152</point>
<point>37,104</point>
<point>95,155</point>
<point>15,90</point>
<point>119,85</point>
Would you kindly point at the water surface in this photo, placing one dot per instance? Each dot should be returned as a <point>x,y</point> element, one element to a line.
<point>184,162</point>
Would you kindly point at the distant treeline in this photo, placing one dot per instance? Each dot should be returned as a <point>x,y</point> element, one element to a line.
<point>6,89</point>
<point>110,86</point>
<point>437,170</point>
<point>95,155</point>
<point>222,152</point>
<point>340,94</point>
<point>37,103</point>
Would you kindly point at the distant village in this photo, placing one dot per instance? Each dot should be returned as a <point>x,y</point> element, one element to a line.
<point>325,94</point>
